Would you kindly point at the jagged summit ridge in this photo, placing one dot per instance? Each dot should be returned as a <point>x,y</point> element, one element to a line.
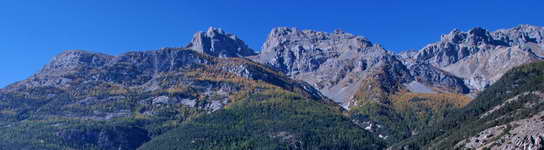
<point>475,36</point>
<point>481,57</point>
<point>521,34</point>
<point>306,50</point>
<point>216,42</point>
<point>328,61</point>
<point>131,68</point>
<point>336,62</point>
<point>456,45</point>
<point>339,63</point>
<point>73,59</point>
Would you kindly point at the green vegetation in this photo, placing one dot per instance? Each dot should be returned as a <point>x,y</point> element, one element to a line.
<point>466,122</point>
<point>272,119</point>
<point>72,134</point>
<point>403,114</point>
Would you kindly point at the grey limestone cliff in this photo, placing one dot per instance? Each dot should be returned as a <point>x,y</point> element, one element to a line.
<point>335,63</point>
<point>339,64</point>
<point>481,57</point>
<point>216,42</point>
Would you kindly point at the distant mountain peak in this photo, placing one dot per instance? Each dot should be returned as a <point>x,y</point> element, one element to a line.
<point>216,42</point>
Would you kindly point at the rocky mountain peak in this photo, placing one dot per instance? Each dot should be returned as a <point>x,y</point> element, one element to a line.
<point>455,36</point>
<point>475,36</point>
<point>471,55</point>
<point>335,63</point>
<point>308,39</point>
<point>216,42</point>
<point>292,50</point>
<point>75,59</point>
<point>281,31</point>
<point>478,31</point>
<point>339,31</point>
<point>527,27</point>
<point>478,36</point>
<point>521,34</point>
<point>213,30</point>
<point>456,46</point>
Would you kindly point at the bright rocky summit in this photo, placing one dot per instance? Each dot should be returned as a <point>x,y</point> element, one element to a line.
<point>215,42</point>
<point>218,93</point>
<point>461,62</point>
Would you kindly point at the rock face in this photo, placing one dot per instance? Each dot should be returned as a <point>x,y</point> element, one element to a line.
<point>216,42</point>
<point>519,134</point>
<point>73,60</point>
<point>527,36</point>
<point>456,46</point>
<point>443,81</point>
<point>334,63</point>
<point>130,69</point>
<point>481,57</point>
<point>339,64</point>
<point>526,133</point>
<point>295,51</point>
<point>147,71</point>
<point>461,62</point>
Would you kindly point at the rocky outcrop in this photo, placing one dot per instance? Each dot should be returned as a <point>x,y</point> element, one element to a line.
<point>75,60</point>
<point>335,63</point>
<point>438,80</point>
<point>218,43</point>
<point>527,36</point>
<point>481,57</point>
<point>295,51</point>
<point>341,64</point>
<point>76,69</point>
<point>525,133</point>
<point>72,68</point>
<point>456,46</point>
<point>68,62</point>
<point>521,134</point>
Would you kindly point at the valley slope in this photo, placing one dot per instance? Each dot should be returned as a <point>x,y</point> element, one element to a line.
<point>507,115</point>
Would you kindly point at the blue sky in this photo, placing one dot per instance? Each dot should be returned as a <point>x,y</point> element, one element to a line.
<point>33,31</point>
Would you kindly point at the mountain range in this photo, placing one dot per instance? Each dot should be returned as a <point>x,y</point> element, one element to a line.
<point>304,89</point>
